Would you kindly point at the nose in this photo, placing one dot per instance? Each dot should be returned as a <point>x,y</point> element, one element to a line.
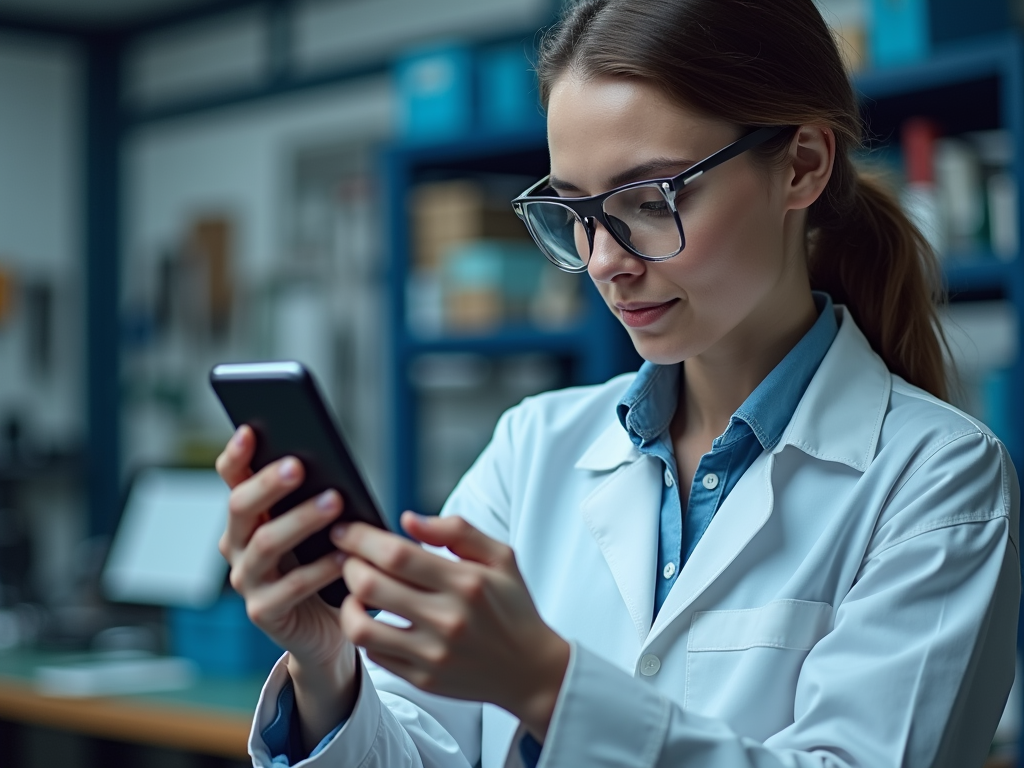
<point>609,259</point>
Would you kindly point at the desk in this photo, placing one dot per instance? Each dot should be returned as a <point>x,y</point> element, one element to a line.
<point>212,717</point>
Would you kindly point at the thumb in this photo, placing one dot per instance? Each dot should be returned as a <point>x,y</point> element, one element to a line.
<point>457,535</point>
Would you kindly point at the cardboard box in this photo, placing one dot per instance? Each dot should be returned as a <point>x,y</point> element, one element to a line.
<point>446,214</point>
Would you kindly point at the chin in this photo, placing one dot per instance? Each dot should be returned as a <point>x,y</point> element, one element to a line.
<point>657,349</point>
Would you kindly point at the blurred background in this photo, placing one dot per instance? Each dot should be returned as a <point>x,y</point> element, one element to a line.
<point>187,182</point>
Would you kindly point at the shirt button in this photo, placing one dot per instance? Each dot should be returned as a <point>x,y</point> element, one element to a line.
<point>649,665</point>
<point>669,482</point>
<point>710,481</point>
<point>669,570</point>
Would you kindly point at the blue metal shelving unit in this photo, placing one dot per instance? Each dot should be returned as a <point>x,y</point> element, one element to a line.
<point>972,85</point>
<point>597,346</point>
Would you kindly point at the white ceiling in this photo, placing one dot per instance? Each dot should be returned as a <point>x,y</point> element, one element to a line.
<point>92,11</point>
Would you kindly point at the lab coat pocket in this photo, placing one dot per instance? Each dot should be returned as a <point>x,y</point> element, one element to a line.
<point>742,666</point>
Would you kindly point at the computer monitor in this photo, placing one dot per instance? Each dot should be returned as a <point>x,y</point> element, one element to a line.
<point>164,550</point>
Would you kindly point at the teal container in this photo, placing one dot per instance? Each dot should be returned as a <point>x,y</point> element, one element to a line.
<point>900,32</point>
<point>221,640</point>
<point>435,89</point>
<point>509,97</point>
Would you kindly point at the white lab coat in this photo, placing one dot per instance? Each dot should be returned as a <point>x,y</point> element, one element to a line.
<point>852,603</point>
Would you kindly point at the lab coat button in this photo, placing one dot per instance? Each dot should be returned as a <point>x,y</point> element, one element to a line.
<point>669,482</point>
<point>649,665</point>
<point>669,570</point>
<point>710,481</point>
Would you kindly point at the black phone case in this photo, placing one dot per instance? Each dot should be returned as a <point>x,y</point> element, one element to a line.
<point>282,405</point>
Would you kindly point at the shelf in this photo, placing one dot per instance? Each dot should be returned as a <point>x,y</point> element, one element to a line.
<point>964,87</point>
<point>509,340</point>
<point>474,145</point>
<point>978,273</point>
<point>963,63</point>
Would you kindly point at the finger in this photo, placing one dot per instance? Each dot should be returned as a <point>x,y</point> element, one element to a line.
<point>268,604</point>
<point>268,486</point>
<point>233,462</point>
<point>398,557</point>
<point>252,499</point>
<point>372,586</point>
<point>411,670</point>
<point>375,636</point>
<point>275,538</point>
<point>458,536</point>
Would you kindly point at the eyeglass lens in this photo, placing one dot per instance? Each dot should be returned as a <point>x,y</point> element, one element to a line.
<point>638,216</point>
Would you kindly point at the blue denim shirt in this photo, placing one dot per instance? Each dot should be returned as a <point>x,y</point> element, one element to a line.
<point>645,411</point>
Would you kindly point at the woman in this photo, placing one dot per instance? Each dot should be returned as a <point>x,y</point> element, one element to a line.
<point>775,545</point>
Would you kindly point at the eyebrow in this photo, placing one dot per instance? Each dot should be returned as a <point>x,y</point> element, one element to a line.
<point>646,170</point>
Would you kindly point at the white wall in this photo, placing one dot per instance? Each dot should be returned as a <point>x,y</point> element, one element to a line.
<point>40,227</point>
<point>235,159</point>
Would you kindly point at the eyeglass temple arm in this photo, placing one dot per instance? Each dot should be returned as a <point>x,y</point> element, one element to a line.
<point>738,147</point>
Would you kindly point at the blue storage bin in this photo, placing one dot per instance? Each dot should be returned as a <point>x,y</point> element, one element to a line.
<point>900,32</point>
<point>221,640</point>
<point>905,31</point>
<point>509,97</point>
<point>435,90</point>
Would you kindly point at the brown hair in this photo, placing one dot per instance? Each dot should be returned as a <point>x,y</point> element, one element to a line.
<point>774,62</point>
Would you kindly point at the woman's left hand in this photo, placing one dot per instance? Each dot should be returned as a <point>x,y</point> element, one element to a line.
<point>474,631</point>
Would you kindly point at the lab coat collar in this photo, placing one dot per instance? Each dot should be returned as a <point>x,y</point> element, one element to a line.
<point>622,514</point>
<point>839,418</point>
<point>612,449</point>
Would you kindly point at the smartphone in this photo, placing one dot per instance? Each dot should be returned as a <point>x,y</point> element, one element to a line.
<point>280,401</point>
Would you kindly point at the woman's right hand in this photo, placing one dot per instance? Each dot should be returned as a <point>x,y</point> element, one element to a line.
<point>281,595</point>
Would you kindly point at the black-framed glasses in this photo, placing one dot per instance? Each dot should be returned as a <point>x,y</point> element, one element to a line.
<point>641,216</point>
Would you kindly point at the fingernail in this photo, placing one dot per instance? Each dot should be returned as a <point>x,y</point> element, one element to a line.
<point>327,501</point>
<point>290,469</point>
<point>339,530</point>
<point>340,558</point>
<point>237,437</point>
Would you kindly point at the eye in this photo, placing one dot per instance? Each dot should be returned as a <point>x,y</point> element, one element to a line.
<point>654,207</point>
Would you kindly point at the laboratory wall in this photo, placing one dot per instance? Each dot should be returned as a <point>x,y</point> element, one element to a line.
<point>40,239</point>
<point>246,169</point>
<point>42,335</point>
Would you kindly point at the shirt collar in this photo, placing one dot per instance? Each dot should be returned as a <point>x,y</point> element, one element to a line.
<point>768,409</point>
<point>647,407</point>
<point>839,419</point>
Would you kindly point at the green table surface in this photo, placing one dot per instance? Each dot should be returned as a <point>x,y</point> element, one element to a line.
<point>229,696</point>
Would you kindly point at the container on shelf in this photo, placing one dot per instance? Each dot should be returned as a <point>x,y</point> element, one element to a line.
<point>908,31</point>
<point>508,90</point>
<point>435,91</point>
<point>488,282</point>
<point>448,213</point>
<point>920,196</point>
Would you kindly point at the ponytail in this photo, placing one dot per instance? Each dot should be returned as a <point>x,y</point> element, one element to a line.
<point>776,63</point>
<point>867,254</point>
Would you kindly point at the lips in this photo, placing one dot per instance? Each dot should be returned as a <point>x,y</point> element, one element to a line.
<point>637,314</point>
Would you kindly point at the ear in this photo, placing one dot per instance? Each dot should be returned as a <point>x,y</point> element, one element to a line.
<point>811,155</point>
